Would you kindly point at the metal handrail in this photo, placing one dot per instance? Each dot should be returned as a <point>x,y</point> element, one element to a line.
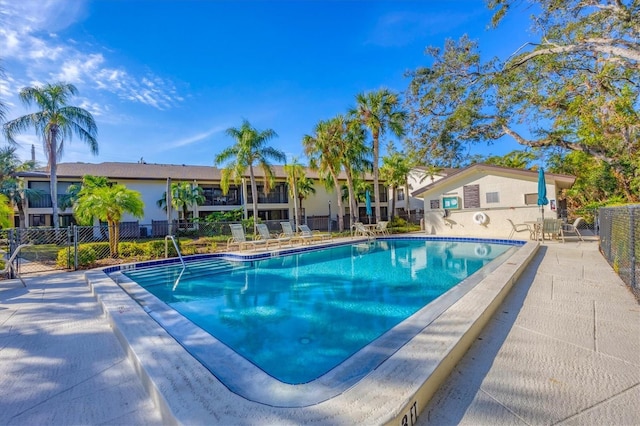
<point>8,268</point>
<point>166,254</point>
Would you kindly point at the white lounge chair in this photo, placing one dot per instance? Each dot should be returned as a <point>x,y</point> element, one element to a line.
<point>306,232</point>
<point>360,229</point>
<point>521,227</point>
<point>287,232</point>
<point>239,239</point>
<point>572,228</point>
<point>265,235</point>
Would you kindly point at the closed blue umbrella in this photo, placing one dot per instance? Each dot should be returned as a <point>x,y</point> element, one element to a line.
<point>542,191</point>
<point>367,203</point>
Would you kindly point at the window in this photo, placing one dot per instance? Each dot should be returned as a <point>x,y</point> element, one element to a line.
<point>530,199</point>
<point>400,194</point>
<point>471,195</point>
<point>434,204</point>
<point>39,220</point>
<point>493,197</point>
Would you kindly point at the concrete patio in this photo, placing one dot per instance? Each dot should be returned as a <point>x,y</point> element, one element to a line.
<point>563,348</point>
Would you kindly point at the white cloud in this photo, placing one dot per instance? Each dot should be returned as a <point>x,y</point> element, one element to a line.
<point>29,43</point>
<point>193,138</point>
<point>94,108</point>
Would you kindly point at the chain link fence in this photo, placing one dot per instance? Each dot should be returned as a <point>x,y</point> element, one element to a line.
<point>619,229</point>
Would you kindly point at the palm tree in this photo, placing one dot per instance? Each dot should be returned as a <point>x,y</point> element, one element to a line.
<point>6,212</point>
<point>12,187</point>
<point>107,203</point>
<point>295,172</point>
<point>321,149</point>
<point>305,188</point>
<point>183,195</point>
<point>355,156</point>
<point>250,149</point>
<point>379,112</point>
<point>394,172</point>
<point>55,122</point>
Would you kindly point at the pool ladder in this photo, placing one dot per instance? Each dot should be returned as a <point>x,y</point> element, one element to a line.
<point>166,254</point>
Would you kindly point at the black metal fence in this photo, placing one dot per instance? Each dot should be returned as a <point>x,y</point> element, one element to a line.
<point>619,229</point>
<point>73,247</point>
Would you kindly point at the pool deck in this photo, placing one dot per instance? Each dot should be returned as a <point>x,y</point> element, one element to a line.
<point>563,347</point>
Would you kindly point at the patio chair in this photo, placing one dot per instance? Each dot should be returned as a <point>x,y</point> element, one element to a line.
<point>287,232</point>
<point>572,228</point>
<point>306,232</point>
<point>382,228</point>
<point>520,227</point>
<point>360,230</point>
<point>239,239</point>
<point>553,227</point>
<point>265,235</point>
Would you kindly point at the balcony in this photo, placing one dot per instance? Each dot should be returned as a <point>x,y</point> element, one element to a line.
<point>278,195</point>
<point>43,201</point>
<point>215,197</point>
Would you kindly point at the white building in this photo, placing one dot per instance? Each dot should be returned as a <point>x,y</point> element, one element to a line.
<point>151,181</point>
<point>454,204</point>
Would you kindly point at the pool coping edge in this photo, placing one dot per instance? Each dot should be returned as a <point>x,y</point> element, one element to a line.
<point>118,307</point>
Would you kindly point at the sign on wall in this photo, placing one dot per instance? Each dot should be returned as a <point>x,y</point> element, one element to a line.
<point>451,202</point>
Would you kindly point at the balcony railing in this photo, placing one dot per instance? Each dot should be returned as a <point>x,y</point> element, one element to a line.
<point>270,199</point>
<point>221,201</point>
<point>44,201</point>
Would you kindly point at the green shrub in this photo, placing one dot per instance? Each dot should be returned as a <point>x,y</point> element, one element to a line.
<point>86,256</point>
<point>102,249</point>
<point>132,249</point>
<point>155,249</point>
<point>398,222</point>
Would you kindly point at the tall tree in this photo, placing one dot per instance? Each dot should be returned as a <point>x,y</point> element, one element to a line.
<point>249,150</point>
<point>99,199</point>
<point>306,187</point>
<point>379,112</point>
<point>450,105</point>
<point>323,156</point>
<point>608,28</point>
<point>55,122</point>
<point>394,172</point>
<point>295,173</point>
<point>575,89</point>
<point>13,187</point>
<point>354,155</point>
<point>183,196</point>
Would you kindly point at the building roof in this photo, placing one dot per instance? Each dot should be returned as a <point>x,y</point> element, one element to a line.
<point>148,171</point>
<point>561,181</point>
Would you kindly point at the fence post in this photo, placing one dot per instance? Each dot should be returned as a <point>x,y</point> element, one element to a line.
<point>632,234</point>
<point>13,236</point>
<point>75,247</point>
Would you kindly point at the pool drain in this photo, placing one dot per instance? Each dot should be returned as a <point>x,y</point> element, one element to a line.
<point>305,340</point>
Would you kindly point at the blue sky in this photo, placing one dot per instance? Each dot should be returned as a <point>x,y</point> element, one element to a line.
<point>165,79</point>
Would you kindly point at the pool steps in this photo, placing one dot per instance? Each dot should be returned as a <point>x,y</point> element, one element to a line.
<point>200,268</point>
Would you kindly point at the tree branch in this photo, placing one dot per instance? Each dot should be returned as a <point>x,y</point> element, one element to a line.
<point>572,146</point>
<point>596,45</point>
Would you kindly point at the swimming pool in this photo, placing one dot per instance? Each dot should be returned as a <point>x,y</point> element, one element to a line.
<point>312,317</point>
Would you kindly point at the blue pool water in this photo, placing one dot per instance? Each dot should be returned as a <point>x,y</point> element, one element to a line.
<point>296,317</point>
